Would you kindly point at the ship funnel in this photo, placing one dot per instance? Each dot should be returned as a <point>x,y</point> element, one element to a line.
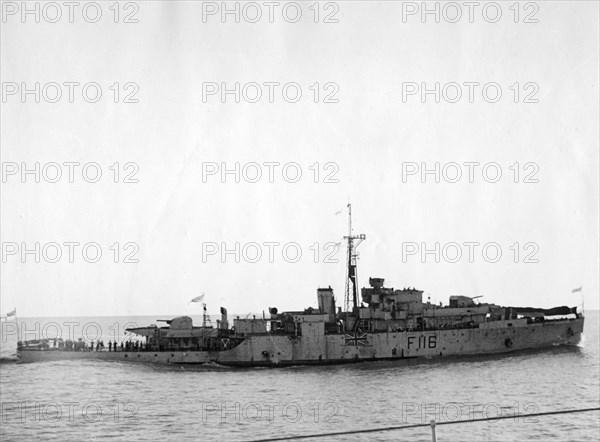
<point>224,325</point>
<point>326,302</point>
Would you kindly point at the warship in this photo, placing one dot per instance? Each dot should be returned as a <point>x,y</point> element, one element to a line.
<point>385,324</point>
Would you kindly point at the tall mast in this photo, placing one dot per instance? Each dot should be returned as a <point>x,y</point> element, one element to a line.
<point>351,273</point>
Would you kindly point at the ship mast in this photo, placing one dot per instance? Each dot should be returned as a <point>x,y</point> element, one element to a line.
<point>352,256</point>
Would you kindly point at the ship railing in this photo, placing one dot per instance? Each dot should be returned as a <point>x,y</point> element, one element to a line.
<point>432,424</point>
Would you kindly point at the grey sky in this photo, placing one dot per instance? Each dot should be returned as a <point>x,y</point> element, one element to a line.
<point>368,134</point>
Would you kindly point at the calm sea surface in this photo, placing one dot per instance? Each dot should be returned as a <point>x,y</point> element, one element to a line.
<point>87,400</point>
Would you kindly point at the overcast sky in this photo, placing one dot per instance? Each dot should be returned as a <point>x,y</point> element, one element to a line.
<point>365,141</point>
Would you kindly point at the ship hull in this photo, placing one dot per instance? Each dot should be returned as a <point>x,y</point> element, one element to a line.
<point>284,350</point>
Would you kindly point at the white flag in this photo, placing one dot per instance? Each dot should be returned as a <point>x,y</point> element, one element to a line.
<point>198,298</point>
<point>578,289</point>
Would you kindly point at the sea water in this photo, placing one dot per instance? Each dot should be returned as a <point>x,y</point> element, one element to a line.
<point>97,400</point>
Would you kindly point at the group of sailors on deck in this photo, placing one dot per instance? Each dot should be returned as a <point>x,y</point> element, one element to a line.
<point>81,345</point>
<point>115,346</point>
